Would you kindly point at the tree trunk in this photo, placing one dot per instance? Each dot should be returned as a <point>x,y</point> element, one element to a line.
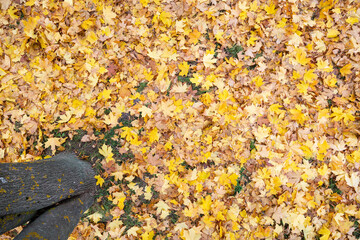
<point>59,221</point>
<point>53,193</point>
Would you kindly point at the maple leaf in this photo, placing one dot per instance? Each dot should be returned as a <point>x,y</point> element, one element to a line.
<point>109,15</point>
<point>99,180</point>
<point>197,79</point>
<point>128,134</point>
<point>345,70</point>
<point>262,133</point>
<point>148,235</point>
<point>95,217</point>
<point>119,199</point>
<point>29,26</point>
<point>209,60</point>
<point>105,94</point>
<point>65,117</point>
<point>297,115</point>
<point>258,81</point>
<point>192,234</point>
<point>330,81</point>
<point>162,208</point>
<point>324,66</point>
<point>295,40</point>
<point>353,180</point>
<point>54,142</point>
<point>205,204</point>
<point>106,151</point>
<point>300,56</point>
<point>87,24</point>
<point>184,67</point>
<point>115,224</point>
<point>145,111</point>
<point>111,119</point>
<point>194,36</point>
<point>323,170</point>
<point>332,33</point>
<point>352,20</point>
<point>165,18</point>
<point>91,37</point>
<point>144,3</point>
<point>325,232</point>
<point>154,135</point>
<point>270,9</point>
<point>155,54</point>
<point>11,11</point>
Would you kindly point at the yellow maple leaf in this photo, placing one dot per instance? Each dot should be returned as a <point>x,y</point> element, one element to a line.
<point>270,9</point>
<point>115,224</point>
<point>95,217</point>
<point>106,151</point>
<point>11,11</point>
<point>324,66</point>
<point>91,37</point>
<point>205,204</point>
<point>54,142</point>
<point>105,94</point>
<point>148,235</point>
<point>184,67</point>
<point>155,54</point>
<point>162,208</point>
<point>119,199</point>
<point>345,70</point>
<point>144,2</point>
<point>323,146</point>
<point>330,80</point>
<point>337,113</point>
<point>251,41</point>
<point>303,87</point>
<point>87,23</point>
<point>297,115</point>
<point>29,26</point>
<point>99,180</point>
<point>28,77</point>
<point>309,76</point>
<point>325,232</point>
<point>219,35</point>
<point>352,20</point>
<point>275,108</point>
<point>258,80</point>
<point>30,3</point>
<point>296,75</point>
<point>323,170</point>
<point>353,180</point>
<point>194,36</point>
<point>332,33</point>
<point>165,18</point>
<point>102,70</point>
<point>128,134</point>
<point>261,133</point>
<point>197,79</point>
<point>300,56</point>
<point>153,135</point>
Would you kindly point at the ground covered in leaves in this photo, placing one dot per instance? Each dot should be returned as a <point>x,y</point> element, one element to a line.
<point>205,119</point>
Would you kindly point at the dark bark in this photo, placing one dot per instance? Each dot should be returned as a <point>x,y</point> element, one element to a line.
<point>59,221</point>
<point>51,193</point>
<point>11,221</point>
